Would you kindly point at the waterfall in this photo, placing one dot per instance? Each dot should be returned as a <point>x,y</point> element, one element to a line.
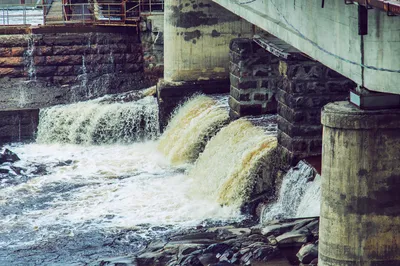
<point>228,169</point>
<point>191,127</point>
<point>296,193</point>
<point>94,122</point>
<point>310,203</point>
<point>29,58</point>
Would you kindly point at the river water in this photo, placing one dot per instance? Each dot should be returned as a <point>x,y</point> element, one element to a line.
<point>100,181</point>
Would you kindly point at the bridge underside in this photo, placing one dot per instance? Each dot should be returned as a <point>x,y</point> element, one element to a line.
<point>331,36</point>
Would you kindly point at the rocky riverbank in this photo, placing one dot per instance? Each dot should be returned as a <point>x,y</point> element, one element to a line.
<point>286,242</point>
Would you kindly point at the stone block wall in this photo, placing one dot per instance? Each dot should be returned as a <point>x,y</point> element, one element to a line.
<point>76,63</point>
<point>254,75</point>
<point>18,125</point>
<point>306,87</point>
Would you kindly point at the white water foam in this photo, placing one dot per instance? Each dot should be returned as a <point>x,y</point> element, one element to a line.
<point>310,204</point>
<point>294,186</point>
<point>93,122</point>
<point>101,188</point>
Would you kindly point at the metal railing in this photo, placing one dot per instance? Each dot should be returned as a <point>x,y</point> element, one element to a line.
<point>51,12</point>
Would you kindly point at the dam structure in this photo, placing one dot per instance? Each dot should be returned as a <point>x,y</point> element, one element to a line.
<point>326,71</point>
<point>294,58</point>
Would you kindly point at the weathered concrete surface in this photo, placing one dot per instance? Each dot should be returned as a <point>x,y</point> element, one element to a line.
<point>334,28</point>
<point>18,125</point>
<point>152,40</point>
<point>197,36</point>
<point>360,211</point>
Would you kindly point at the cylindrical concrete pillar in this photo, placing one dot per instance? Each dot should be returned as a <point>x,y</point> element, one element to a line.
<point>197,34</point>
<point>360,209</point>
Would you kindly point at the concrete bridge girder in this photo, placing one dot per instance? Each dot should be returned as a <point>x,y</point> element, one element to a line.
<point>335,29</point>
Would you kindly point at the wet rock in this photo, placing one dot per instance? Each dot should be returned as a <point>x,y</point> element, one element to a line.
<point>207,259</point>
<point>17,170</point>
<point>308,253</point>
<point>153,258</point>
<point>64,163</point>
<point>4,171</point>
<point>40,169</point>
<point>217,248</point>
<point>8,156</point>
<point>283,227</point>
<point>295,238</point>
<point>187,249</point>
<point>190,261</point>
<point>156,245</point>
<point>119,261</point>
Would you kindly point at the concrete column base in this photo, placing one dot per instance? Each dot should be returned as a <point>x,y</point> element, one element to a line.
<point>360,209</point>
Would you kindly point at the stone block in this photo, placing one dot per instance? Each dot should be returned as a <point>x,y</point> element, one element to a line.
<point>239,95</point>
<point>18,40</point>
<point>299,129</point>
<point>131,68</point>
<point>64,60</point>
<point>45,71</point>
<point>43,50</point>
<point>12,72</point>
<point>61,80</point>
<point>133,58</point>
<point>18,51</point>
<point>291,115</point>
<point>260,97</point>
<point>71,50</point>
<point>262,71</point>
<point>38,60</point>
<point>300,101</point>
<point>241,46</point>
<point>340,86</point>
<point>244,109</point>
<point>5,52</point>
<point>65,71</point>
<point>69,39</point>
<point>11,61</point>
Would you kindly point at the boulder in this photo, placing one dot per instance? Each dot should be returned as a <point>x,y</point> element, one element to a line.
<point>308,253</point>
<point>8,156</point>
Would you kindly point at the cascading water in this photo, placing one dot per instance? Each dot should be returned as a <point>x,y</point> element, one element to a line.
<point>296,193</point>
<point>191,128</point>
<point>226,170</point>
<point>72,204</point>
<point>29,58</point>
<point>310,204</point>
<point>68,204</point>
<point>93,122</point>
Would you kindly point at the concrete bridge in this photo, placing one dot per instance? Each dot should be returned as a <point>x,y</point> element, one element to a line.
<point>296,58</point>
<point>290,57</point>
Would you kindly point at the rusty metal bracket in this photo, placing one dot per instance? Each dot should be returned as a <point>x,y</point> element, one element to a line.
<point>392,8</point>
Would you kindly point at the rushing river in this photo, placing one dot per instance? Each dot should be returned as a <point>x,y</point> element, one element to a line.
<point>100,181</point>
<point>79,203</point>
